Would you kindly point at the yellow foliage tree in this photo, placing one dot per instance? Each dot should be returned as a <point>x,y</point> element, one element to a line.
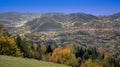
<point>8,46</point>
<point>90,63</point>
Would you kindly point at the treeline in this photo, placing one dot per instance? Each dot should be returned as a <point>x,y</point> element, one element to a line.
<point>69,54</point>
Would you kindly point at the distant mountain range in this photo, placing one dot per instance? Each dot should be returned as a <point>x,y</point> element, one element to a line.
<point>50,21</point>
<point>55,21</point>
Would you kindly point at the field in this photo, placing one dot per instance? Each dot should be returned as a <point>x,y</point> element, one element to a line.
<point>8,61</point>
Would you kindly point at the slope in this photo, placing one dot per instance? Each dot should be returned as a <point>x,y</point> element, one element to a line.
<point>8,61</point>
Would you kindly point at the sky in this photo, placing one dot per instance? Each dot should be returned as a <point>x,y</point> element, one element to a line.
<point>95,7</point>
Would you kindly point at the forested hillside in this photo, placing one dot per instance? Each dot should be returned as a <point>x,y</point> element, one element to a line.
<point>68,54</point>
<point>76,39</point>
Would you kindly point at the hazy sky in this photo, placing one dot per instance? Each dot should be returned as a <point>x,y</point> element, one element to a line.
<point>96,7</point>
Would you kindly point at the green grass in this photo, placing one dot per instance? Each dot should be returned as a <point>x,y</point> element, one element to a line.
<point>8,61</point>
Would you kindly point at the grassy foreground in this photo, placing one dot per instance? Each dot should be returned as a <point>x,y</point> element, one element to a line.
<point>8,61</point>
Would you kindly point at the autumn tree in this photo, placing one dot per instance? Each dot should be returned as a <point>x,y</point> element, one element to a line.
<point>37,54</point>
<point>73,61</point>
<point>43,48</point>
<point>117,62</point>
<point>64,56</point>
<point>8,46</point>
<point>109,60</point>
<point>90,63</point>
<point>43,51</point>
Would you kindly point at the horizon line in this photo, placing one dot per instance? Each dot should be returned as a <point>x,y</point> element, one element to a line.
<point>56,12</point>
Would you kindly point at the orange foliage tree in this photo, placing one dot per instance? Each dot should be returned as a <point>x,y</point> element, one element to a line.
<point>63,55</point>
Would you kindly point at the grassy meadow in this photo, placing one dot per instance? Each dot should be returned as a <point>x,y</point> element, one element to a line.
<point>8,61</point>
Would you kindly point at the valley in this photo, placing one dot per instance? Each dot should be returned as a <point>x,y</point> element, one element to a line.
<point>58,31</point>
